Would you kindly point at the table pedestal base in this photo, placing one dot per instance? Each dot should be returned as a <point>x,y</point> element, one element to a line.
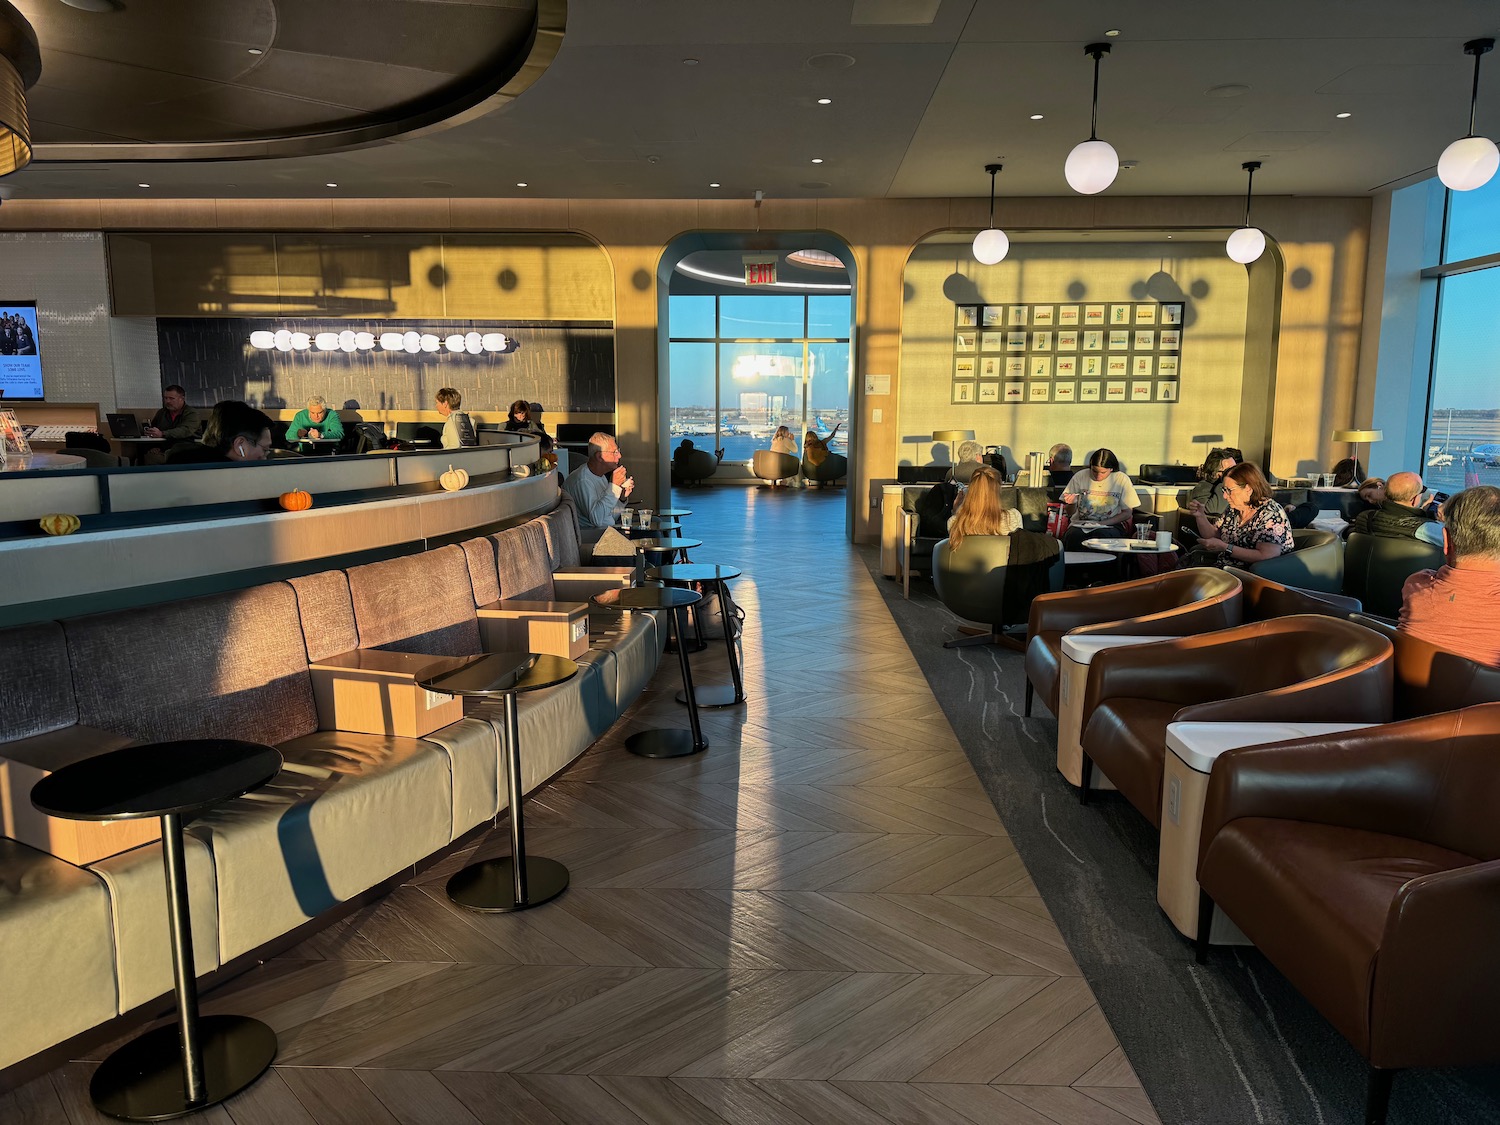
<point>489,886</point>
<point>665,743</point>
<point>715,695</point>
<point>143,1080</point>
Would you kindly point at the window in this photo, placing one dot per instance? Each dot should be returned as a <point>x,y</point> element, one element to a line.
<point>741,365</point>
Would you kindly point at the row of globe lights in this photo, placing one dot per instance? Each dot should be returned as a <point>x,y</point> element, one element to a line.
<point>472,343</point>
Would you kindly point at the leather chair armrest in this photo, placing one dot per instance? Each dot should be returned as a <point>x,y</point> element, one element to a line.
<point>1434,1001</point>
<point>1167,671</point>
<point>1070,609</point>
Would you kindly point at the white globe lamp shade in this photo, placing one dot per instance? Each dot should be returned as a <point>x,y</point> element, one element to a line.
<point>262,339</point>
<point>1091,167</point>
<point>991,246</point>
<point>1468,163</point>
<point>1245,245</point>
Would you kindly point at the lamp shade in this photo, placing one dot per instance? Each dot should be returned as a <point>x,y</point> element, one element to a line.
<point>1245,245</point>
<point>1091,167</point>
<point>20,67</point>
<point>991,246</point>
<point>952,435</point>
<point>1358,436</point>
<point>1468,163</point>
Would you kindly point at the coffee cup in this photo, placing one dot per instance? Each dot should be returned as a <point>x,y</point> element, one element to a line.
<point>1163,540</point>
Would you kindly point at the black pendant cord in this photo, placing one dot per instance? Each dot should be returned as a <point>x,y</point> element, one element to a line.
<point>1098,51</point>
<point>1478,48</point>
<point>993,170</point>
<point>1250,166</point>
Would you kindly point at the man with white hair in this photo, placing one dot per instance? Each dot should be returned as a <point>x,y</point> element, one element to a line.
<point>314,423</point>
<point>600,486</point>
<point>1398,515</point>
<point>1457,606</point>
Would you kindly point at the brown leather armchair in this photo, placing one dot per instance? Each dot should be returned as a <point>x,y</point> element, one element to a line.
<point>1430,679</point>
<point>1265,599</point>
<point>1180,603</point>
<point>1302,667</point>
<point>1366,867</point>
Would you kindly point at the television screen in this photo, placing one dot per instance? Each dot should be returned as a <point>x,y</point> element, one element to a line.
<point>20,351</point>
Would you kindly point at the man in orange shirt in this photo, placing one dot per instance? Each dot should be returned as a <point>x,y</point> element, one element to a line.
<point>1457,606</point>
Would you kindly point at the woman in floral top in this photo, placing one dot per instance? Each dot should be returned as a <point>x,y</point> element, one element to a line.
<point>1254,528</point>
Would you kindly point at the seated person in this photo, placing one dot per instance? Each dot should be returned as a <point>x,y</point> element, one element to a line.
<point>545,447</point>
<point>1208,493</point>
<point>315,422</point>
<point>520,421</point>
<point>1099,499</point>
<point>1400,513</point>
<point>1060,458</point>
<point>176,420</point>
<point>1457,606</point>
<point>600,486</point>
<point>1252,529</point>
<point>977,510</point>
<point>458,430</point>
<point>236,432</point>
<point>970,457</point>
<point>815,449</point>
<point>783,441</point>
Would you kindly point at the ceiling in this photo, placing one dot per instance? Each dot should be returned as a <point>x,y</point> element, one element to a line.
<point>661,98</point>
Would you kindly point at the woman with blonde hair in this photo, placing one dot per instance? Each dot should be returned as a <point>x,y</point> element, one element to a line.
<point>783,441</point>
<point>978,512</point>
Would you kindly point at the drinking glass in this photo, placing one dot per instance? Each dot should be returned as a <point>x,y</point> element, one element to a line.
<point>645,517</point>
<point>627,518</point>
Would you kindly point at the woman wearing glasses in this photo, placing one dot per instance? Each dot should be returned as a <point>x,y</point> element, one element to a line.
<point>1252,529</point>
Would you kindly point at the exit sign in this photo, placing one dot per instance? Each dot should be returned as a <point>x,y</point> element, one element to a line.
<point>760,271</point>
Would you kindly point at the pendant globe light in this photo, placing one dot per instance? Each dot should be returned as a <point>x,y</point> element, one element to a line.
<point>991,244</point>
<point>1247,243</point>
<point>1093,164</point>
<point>1470,161</point>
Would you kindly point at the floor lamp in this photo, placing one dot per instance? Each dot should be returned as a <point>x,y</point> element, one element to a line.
<point>951,436</point>
<point>1357,438</point>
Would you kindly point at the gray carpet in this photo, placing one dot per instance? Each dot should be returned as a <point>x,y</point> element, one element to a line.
<point>1225,1043</point>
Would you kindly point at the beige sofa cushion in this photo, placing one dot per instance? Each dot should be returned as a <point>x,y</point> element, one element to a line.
<point>57,971</point>
<point>418,603</point>
<point>524,564</point>
<point>36,684</point>
<point>473,750</point>
<point>327,614</point>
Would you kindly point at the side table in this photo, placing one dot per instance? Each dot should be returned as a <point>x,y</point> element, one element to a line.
<point>176,1069</point>
<point>672,743</point>
<point>516,881</point>
<point>711,695</point>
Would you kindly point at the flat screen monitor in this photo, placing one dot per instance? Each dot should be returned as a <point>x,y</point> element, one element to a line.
<point>20,351</point>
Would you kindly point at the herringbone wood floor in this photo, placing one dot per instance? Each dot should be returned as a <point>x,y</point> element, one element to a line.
<point>820,920</point>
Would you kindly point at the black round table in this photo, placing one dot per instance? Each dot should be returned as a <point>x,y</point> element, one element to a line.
<point>711,695</point>
<point>517,881</point>
<point>665,547</point>
<point>674,513</point>
<point>197,1062</point>
<point>662,525</point>
<point>663,743</point>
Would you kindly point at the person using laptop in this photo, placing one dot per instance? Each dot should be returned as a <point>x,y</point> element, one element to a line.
<point>176,420</point>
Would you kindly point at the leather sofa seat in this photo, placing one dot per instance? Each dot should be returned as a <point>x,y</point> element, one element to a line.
<point>1182,602</point>
<point>1430,679</point>
<point>1265,599</point>
<point>1309,668</point>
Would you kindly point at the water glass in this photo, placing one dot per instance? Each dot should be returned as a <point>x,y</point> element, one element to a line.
<point>645,517</point>
<point>627,518</point>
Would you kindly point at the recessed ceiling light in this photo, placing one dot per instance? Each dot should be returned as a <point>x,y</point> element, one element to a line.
<point>689,62</point>
<point>1036,116</point>
<point>1127,165</point>
<point>142,185</point>
<point>825,101</point>
<point>1112,32</point>
<point>714,185</point>
<point>521,183</point>
<point>817,160</point>
<point>330,185</point>
<point>255,51</point>
<point>1341,116</point>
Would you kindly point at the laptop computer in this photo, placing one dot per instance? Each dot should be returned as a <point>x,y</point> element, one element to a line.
<point>124,425</point>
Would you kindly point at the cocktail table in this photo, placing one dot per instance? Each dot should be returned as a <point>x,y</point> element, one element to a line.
<point>672,743</point>
<point>668,545</point>
<point>516,881</point>
<point>711,695</point>
<point>199,1061</point>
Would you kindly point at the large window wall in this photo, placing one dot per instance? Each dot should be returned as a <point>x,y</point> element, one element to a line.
<point>1463,415</point>
<point>744,364</point>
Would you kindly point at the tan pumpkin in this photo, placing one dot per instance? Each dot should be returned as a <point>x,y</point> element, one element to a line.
<point>453,479</point>
<point>59,523</point>
<point>296,500</point>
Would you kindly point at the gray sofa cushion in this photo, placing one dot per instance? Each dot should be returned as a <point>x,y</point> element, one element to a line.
<point>524,564</point>
<point>419,603</point>
<point>560,528</point>
<point>483,577</point>
<point>36,685</point>
<point>225,666</point>
<point>327,614</point>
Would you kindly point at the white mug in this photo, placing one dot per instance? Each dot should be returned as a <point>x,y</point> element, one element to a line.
<point>1163,540</point>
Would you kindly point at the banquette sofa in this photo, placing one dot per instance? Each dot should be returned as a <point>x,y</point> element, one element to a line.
<point>82,944</point>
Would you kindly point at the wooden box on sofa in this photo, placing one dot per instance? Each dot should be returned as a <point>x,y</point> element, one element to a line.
<point>372,691</point>
<point>520,625</point>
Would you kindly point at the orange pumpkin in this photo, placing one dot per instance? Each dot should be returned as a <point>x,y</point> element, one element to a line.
<point>296,500</point>
<point>59,524</point>
<point>454,479</point>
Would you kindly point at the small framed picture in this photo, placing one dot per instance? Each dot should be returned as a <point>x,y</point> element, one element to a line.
<point>1166,391</point>
<point>1067,314</point>
<point>1167,366</point>
<point>1039,392</point>
<point>967,316</point>
<point>1043,314</point>
<point>1067,341</point>
<point>963,392</point>
<point>991,341</point>
<point>1171,314</point>
<point>1119,314</point>
<point>1114,391</point>
<point>1169,339</point>
<point>1140,391</point>
<point>1014,392</point>
<point>1093,366</point>
<point>1145,314</point>
<point>1093,341</point>
<point>965,342</point>
<point>1141,367</point>
<point>963,368</point>
<point>1016,315</point>
<point>1145,338</point>
<point>989,367</point>
<point>994,316</point>
<point>1093,316</point>
<point>1064,392</point>
<point>1041,367</point>
<point>1015,341</point>
<point>989,392</point>
<point>1015,367</point>
<point>1041,341</point>
<point>1118,366</point>
<point>1088,392</point>
<point>1067,366</point>
<point>1119,340</point>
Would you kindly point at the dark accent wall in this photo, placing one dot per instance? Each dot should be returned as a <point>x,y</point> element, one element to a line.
<point>565,367</point>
